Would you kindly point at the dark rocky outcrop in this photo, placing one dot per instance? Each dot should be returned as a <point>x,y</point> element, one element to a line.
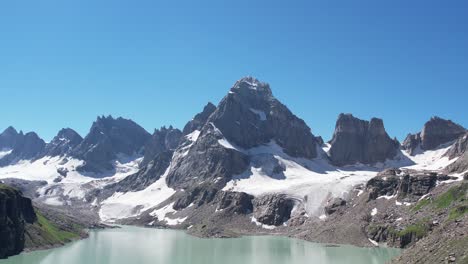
<point>436,131</point>
<point>162,140</point>
<point>107,139</point>
<point>25,147</point>
<point>200,119</point>
<point>197,196</point>
<point>273,209</point>
<point>334,205</point>
<point>236,203</point>
<point>356,140</point>
<point>63,143</point>
<point>319,140</point>
<point>402,184</point>
<point>15,212</point>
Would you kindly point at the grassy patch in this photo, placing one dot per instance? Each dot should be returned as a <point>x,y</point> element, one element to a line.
<point>6,187</point>
<point>52,233</point>
<point>457,212</point>
<point>419,230</point>
<point>452,195</point>
<point>421,204</point>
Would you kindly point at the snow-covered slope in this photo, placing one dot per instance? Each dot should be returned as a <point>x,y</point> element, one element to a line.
<point>62,189</point>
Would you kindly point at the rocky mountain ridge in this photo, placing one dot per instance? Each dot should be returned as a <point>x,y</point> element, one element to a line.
<point>246,165</point>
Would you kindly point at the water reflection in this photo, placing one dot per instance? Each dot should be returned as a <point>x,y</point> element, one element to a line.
<point>141,245</point>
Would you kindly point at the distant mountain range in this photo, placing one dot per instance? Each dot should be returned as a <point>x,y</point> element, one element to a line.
<point>247,162</point>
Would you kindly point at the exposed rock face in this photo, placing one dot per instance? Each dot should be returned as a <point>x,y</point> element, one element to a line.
<point>459,148</point>
<point>207,160</point>
<point>272,209</point>
<point>198,196</point>
<point>62,144</point>
<point>319,140</point>
<point>200,119</point>
<point>28,146</point>
<point>402,184</point>
<point>247,117</point>
<point>334,205</point>
<point>356,140</point>
<point>162,140</point>
<point>107,139</point>
<point>436,131</point>
<point>411,142</point>
<point>145,176</point>
<point>236,203</point>
<point>9,138</point>
<point>15,212</point>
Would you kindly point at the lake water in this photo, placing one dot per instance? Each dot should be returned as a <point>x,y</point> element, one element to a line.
<point>133,245</point>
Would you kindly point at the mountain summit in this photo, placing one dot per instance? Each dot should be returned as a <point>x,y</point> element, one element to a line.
<point>356,140</point>
<point>436,131</point>
<point>248,116</point>
<point>107,138</point>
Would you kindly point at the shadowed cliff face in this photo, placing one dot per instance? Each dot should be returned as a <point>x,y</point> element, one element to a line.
<point>15,212</point>
<point>356,140</point>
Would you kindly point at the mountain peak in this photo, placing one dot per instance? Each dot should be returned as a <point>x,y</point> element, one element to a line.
<point>10,131</point>
<point>356,140</point>
<point>436,131</point>
<point>199,119</point>
<point>249,86</point>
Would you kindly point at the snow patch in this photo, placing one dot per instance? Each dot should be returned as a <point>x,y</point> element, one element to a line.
<point>374,212</point>
<point>5,152</point>
<point>162,213</point>
<point>124,205</point>
<point>373,242</point>
<point>225,143</point>
<point>256,222</point>
<point>260,114</point>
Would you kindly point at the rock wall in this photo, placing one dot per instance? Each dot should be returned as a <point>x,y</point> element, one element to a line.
<point>15,212</point>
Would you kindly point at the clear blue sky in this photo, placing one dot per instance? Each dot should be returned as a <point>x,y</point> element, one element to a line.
<point>62,63</point>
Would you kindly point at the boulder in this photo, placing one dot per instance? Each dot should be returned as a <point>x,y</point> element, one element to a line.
<point>334,205</point>
<point>272,209</point>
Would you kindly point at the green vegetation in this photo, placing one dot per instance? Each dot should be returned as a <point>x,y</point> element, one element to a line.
<point>419,230</point>
<point>44,233</point>
<point>52,232</point>
<point>6,187</point>
<point>454,194</point>
<point>421,204</point>
<point>445,200</point>
<point>457,212</point>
